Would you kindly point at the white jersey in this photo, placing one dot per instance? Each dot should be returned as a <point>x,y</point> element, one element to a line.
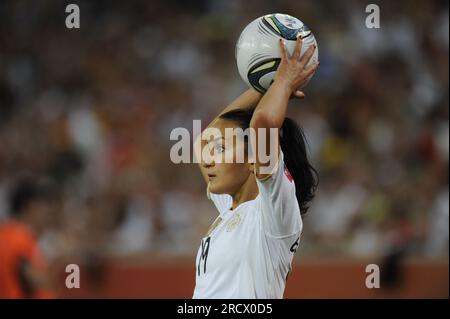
<point>249,252</point>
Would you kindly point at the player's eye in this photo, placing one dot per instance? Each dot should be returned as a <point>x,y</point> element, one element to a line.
<point>219,148</point>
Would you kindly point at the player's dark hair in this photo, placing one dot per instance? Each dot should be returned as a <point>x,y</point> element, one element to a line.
<point>27,190</point>
<point>293,144</point>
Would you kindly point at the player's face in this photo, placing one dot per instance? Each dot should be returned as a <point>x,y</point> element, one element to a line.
<point>227,167</point>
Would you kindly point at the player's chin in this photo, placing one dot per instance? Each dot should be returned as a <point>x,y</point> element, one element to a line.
<point>216,187</point>
<point>213,187</point>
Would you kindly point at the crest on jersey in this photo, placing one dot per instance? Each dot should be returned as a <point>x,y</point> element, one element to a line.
<point>234,222</point>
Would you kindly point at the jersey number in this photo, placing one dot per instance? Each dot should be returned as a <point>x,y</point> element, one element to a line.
<point>203,255</point>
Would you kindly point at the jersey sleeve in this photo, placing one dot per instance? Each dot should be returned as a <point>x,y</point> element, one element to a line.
<point>280,210</point>
<point>222,202</point>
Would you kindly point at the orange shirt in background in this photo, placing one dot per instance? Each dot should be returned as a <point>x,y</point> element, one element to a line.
<point>18,245</point>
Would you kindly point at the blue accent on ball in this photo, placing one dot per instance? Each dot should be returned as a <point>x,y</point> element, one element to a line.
<point>283,31</point>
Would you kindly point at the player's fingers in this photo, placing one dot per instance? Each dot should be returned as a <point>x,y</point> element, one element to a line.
<point>299,94</point>
<point>308,54</point>
<point>298,48</point>
<point>311,69</point>
<point>284,54</point>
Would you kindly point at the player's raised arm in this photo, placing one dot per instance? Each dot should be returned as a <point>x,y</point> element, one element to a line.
<point>271,110</point>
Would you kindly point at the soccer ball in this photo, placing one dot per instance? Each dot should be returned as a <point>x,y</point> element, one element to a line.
<point>257,50</point>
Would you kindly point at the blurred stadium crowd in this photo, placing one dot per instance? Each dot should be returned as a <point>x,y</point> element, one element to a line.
<point>91,111</point>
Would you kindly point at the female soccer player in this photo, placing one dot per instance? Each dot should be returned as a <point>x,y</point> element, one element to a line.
<point>248,251</point>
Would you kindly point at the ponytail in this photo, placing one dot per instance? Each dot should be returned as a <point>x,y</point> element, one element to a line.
<point>293,145</point>
<point>306,178</point>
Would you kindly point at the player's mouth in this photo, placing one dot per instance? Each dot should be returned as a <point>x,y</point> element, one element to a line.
<point>211,176</point>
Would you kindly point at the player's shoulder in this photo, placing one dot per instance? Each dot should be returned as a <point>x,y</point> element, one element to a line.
<point>16,234</point>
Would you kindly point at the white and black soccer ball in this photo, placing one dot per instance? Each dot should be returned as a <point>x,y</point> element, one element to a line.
<point>257,50</point>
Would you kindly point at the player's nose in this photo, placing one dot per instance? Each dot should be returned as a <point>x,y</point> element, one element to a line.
<point>208,161</point>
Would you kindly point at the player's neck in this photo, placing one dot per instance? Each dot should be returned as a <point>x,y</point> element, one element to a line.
<point>248,191</point>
